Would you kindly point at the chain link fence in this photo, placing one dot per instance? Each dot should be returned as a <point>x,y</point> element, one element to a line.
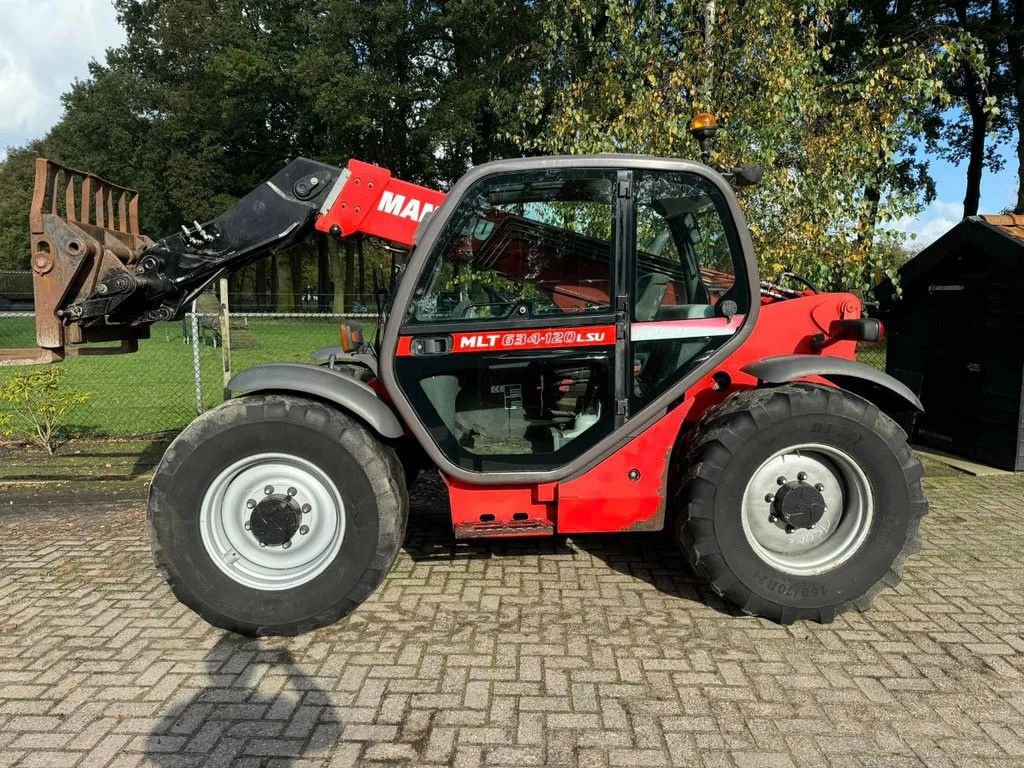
<point>178,372</point>
<point>149,392</point>
<point>872,354</point>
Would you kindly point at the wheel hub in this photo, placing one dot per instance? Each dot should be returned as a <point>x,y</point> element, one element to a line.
<point>275,520</point>
<point>272,521</point>
<point>799,504</point>
<point>807,508</point>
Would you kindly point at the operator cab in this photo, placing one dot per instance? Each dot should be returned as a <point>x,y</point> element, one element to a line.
<point>552,301</point>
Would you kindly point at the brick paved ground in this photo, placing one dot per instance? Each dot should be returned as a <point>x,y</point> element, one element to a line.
<point>589,652</point>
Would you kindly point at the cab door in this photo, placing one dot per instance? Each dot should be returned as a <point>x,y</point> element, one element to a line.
<point>690,291</point>
<point>507,348</point>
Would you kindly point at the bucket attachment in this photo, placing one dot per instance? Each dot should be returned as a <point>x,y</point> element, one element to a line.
<point>83,229</point>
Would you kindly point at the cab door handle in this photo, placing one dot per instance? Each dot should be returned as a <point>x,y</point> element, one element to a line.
<point>431,345</point>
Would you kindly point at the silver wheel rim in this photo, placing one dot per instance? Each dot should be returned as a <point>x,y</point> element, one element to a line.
<point>227,508</point>
<point>836,537</point>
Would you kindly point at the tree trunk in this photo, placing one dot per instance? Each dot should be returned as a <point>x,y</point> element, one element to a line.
<point>709,59</point>
<point>295,264</point>
<point>285,285</point>
<point>323,275</point>
<point>976,162</point>
<point>1019,206</point>
<point>1015,43</point>
<point>260,290</point>
<point>974,96</point>
<point>337,264</point>
<point>350,273</point>
<point>274,292</point>
<point>361,259</point>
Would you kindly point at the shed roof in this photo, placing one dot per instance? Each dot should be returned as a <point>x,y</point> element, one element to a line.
<point>1011,224</point>
<point>999,238</point>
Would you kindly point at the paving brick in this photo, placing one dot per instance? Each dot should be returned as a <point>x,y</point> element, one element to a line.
<point>593,651</point>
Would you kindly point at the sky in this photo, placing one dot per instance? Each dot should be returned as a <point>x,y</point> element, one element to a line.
<point>46,44</point>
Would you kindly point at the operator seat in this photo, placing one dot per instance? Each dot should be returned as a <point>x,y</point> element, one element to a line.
<point>650,292</point>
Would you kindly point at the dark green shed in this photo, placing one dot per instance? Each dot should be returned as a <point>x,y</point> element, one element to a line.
<point>956,337</point>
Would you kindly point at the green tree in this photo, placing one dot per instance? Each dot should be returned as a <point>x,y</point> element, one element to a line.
<point>626,76</point>
<point>1015,57</point>
<point>17,172</point>
<point>981,89</point>
<point>207,98</point>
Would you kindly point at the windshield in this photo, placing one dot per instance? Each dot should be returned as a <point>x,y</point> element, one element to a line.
<point>529,245</point>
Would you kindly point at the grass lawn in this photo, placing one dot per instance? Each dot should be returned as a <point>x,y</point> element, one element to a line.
<point>153,390</point>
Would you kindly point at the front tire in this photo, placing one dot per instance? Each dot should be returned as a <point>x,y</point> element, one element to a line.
<point>275,515</point>
<point>800,502</point>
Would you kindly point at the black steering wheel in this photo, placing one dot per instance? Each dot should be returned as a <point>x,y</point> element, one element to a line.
<point>797,279</point>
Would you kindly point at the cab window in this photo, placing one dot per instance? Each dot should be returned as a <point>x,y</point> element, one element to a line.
<point>522,246</point>
<point>687,300</point>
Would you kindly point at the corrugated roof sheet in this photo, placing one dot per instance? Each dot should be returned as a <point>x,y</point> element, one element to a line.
<point>1011,224</point>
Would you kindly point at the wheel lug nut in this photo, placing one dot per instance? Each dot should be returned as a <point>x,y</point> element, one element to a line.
<point>292,491</point>
<point>251,504</point>
<point>802,476</point>
<point>286,545</point>
<point>306,509</point>
<point>772,518</point>
<point>769,497</point>
<point>303,529</point>
<point>819,487</point>
<point>247,526</point>
<point>790,529</point>
<point>268,490</point>
<point>781,480</point>
<point>263,543</point>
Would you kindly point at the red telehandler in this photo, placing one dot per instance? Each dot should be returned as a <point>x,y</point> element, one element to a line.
<point>577,345</point>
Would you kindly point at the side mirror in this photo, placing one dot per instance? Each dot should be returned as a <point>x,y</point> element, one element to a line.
<point>748,175</point>
<point>351,336</point>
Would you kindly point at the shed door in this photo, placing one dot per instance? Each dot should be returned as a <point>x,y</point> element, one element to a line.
<point>951,388</point>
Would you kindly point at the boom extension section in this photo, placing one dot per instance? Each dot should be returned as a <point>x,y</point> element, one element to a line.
<point>98,279</point>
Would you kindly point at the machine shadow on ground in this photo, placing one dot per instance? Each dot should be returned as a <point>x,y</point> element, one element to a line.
<point>649,557</point>
<point>243,717</point>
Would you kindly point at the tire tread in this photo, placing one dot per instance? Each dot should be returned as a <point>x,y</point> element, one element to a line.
<point>722,431</point>
<point>378,459</point>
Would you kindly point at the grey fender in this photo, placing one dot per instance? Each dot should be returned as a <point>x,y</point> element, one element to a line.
<point>848,374</point>
<point>321,382</point>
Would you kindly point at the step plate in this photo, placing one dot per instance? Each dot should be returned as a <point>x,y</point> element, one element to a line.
<point>503,529</point>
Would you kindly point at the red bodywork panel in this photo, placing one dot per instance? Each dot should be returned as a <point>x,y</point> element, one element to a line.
<point>513,341</point>
<point>373,203</point>
<point>606,498</point>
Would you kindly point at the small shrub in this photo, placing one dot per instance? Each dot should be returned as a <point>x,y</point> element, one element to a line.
<point>38,405</point>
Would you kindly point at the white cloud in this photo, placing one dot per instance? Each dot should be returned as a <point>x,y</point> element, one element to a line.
<point>44,46</point>
<point>929,225</point>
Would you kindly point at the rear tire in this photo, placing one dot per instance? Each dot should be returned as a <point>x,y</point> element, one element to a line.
<point>275,515</point>
<point>870,501</point>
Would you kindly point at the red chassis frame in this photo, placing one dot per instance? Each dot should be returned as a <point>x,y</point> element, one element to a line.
<point>627,491</point>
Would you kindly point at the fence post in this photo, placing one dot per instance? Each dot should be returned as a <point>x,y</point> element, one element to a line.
<point>196,369</point>
<point>225,335</point>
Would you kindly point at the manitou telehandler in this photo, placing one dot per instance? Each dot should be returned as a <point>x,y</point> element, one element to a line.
<point>577,344</point>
